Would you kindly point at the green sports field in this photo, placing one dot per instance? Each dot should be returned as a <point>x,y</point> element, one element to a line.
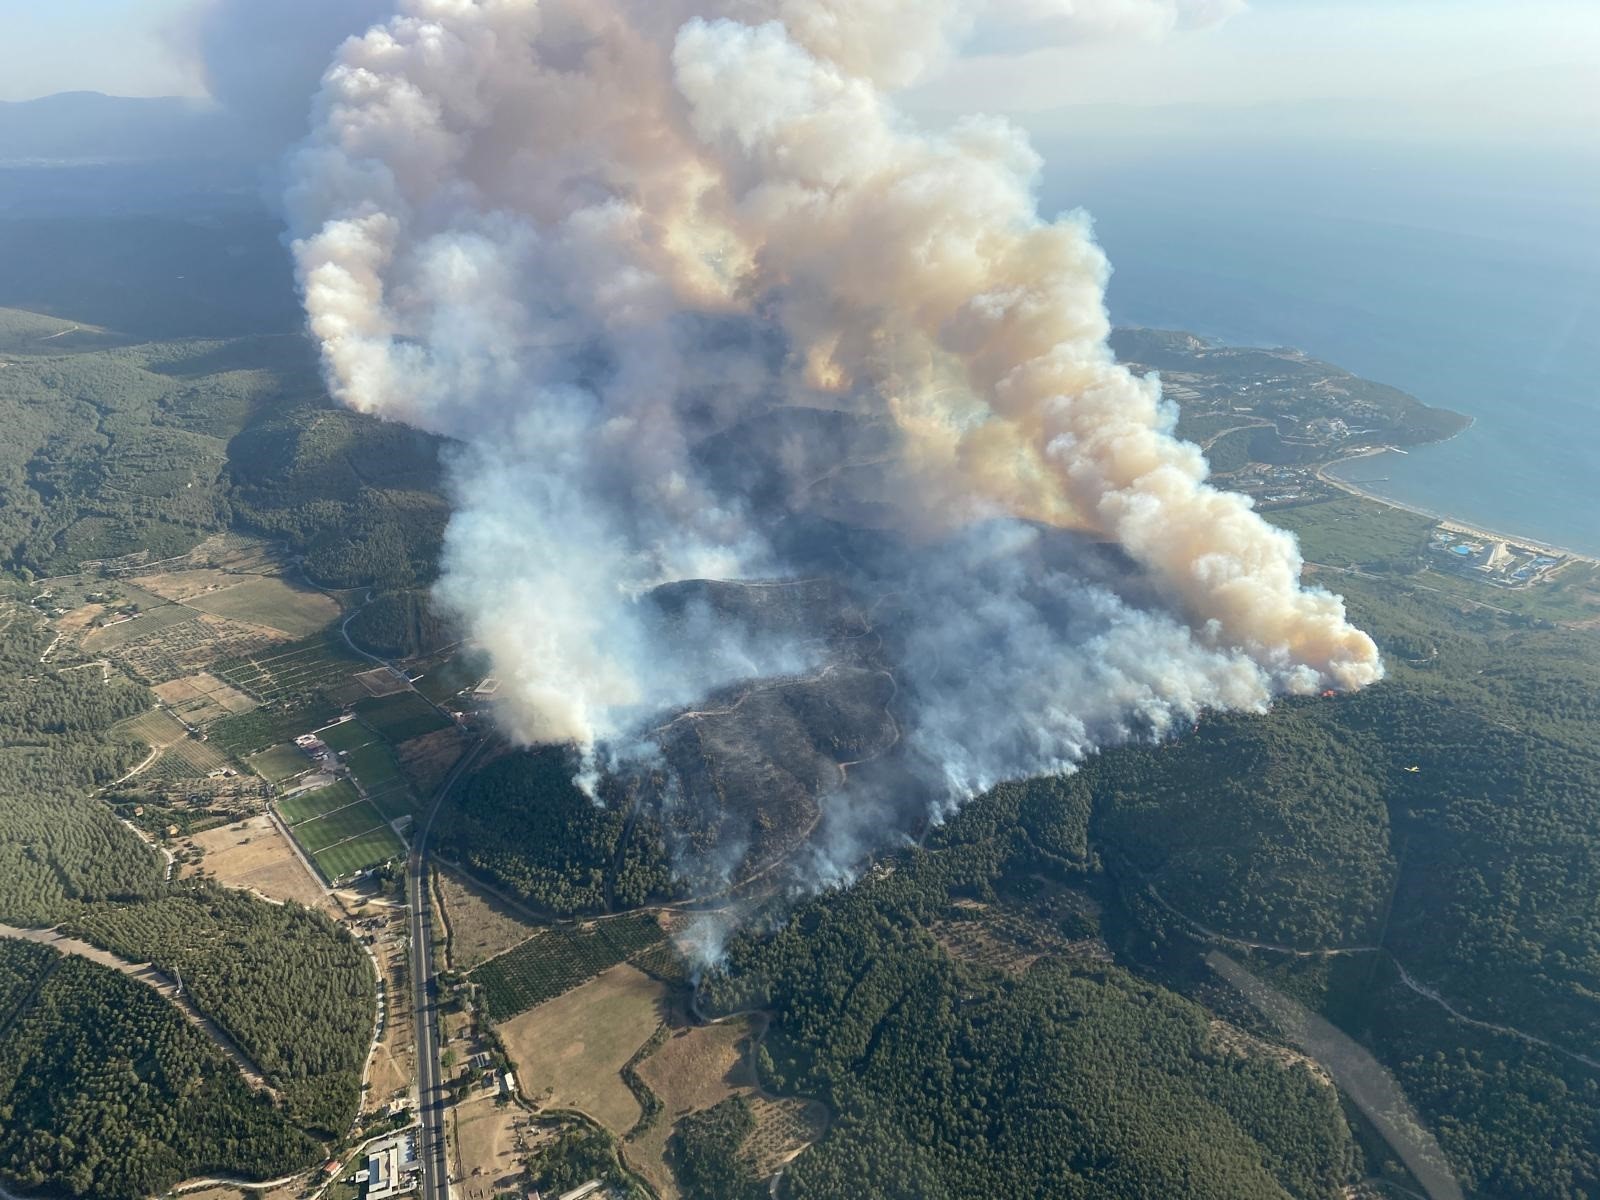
<point>279,763</point>
<point>319,833</point>
<point>377,771</point>
<point>306,805</point>
<point>346,735</point>
<point>368,850</point>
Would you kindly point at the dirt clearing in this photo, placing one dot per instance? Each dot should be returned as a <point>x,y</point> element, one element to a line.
<point>252,854</point>
<point>487,1137</point>
<point>571,1050</point>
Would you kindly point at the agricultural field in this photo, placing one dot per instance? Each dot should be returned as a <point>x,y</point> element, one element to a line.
<point>370,849</point>
<point>183,650</point>
<point>157,729</point>
<point>249,732</point>
<point>181,756</point>
<point>559,959</point>
<point>401,716</point>
<point>783,1129</point>
<point>442,679</point>
<point>190,758</point>
<point>318,664</point>
<point>131,629</point>
<point>569,1052</point>
<point>427,760</point>
<point>280,763</point>
<point>267,600</point>
<point>306,806</point>
<point>481,927</point>
<point>202,698</point>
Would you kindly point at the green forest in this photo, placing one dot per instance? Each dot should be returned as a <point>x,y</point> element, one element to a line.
<point>523,824</point>
<point>107,1092</point>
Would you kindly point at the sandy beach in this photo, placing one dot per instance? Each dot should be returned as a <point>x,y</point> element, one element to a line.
<point>1449,522</point>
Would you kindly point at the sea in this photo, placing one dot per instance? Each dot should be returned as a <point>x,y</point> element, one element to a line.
<point>1468,276</point>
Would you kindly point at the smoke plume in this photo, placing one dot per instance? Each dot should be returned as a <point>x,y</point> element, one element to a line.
<point>589,238</point>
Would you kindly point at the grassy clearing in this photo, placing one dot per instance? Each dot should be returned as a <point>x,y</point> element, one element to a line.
<point>571,1051</point>
<point>370,849</point>
<point>307,805</point>
<point>319,833</point>
<point>696,1068</point>
<point>275,603</point>
<point>279,763</point>
<point>556,961</point>
<point>1350,531</point>
<point>402,716</point>
<point>253,854</point>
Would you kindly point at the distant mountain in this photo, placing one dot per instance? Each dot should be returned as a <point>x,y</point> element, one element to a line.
<point>88,126</point>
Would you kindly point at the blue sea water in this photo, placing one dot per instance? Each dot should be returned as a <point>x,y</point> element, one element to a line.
<point>1470,278</point>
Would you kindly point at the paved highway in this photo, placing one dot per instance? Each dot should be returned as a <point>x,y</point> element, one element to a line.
<point>431,1100</point>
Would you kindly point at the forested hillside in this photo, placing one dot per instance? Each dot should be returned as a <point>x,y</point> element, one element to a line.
<point>359,497</point>
<point>107,1092</point>
<point>952,1079</point>
<point>295,992</point>
<point>522,823</point>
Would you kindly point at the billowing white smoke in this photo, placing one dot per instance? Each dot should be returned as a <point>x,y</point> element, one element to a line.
<point>556,231</point>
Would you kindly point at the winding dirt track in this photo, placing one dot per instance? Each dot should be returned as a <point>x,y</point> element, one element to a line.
<point>147,974</point>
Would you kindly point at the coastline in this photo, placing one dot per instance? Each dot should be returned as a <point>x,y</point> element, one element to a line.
<point>1454,524</point>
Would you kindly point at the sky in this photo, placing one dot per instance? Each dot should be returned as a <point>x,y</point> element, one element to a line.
<point>1272,52</point>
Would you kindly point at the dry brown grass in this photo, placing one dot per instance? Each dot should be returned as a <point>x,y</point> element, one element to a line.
<point>480,926</point>
<point>700,1066</point>
<point>694,1069</point>
<point>202,698</point>
<point>275,603</point>
<point>252,854</point>
<point>570,1051</point>
<point>185,585</point>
